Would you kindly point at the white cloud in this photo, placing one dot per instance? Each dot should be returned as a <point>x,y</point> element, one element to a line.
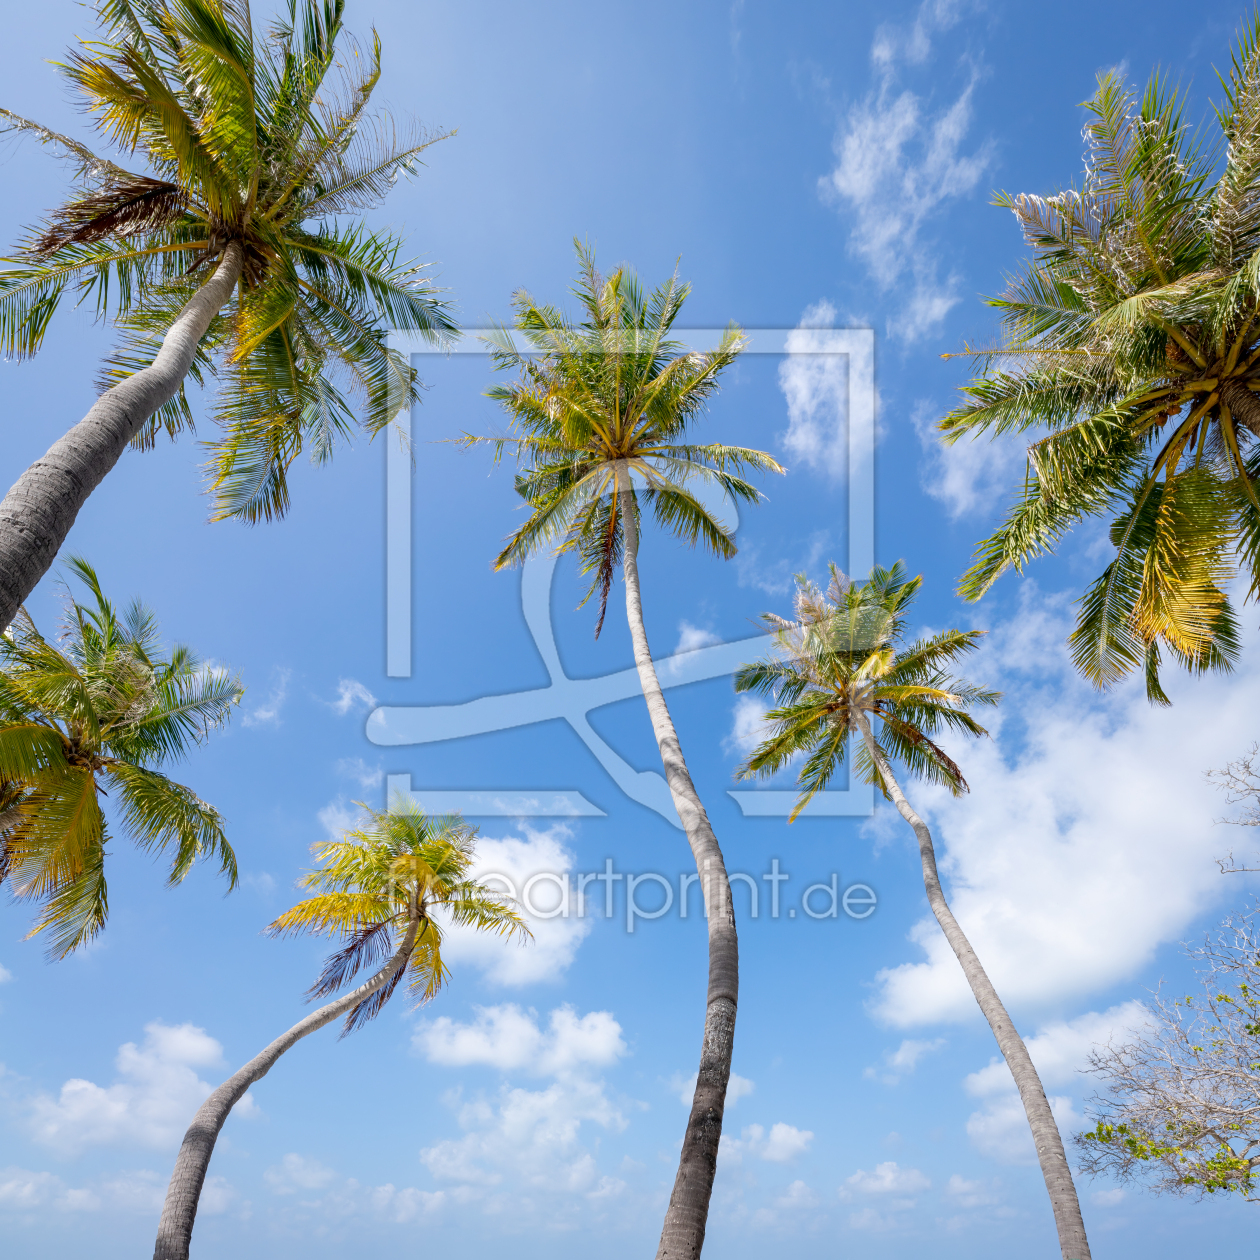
<point>1059,1050</point>
<point>358,769</point>
<point>510,1039</point>
<point>913,44</point>
<point>897,163</point>
<point>312,1185</point>
<point>1103,794</point>
<point>514,861</point>
<point>351,694</point>
<point>797,1195</point>
<point>296,1172</point>
<point>1107,1198</point>
<point>814,378</point>
<point>887,1178</point>
<point>692,637</point>
<point>968,1194</point>
<point>337,818</point>
<point>24,1191</point>
<point>142,1192</point>
<point>268,712</point>
<point>748,727</point>
<point>781,1145</point>
<point>528,1140</point>
<point>902,1061</point>
<point>5,975</point>
<point>972,475</point>
<point>1001,1131</point>
<point>685,1087</point>
<point>151,1106</point>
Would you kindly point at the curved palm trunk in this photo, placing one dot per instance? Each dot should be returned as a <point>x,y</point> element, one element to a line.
<point>683,1233</point>
<point>37,513</point>
<point>182,1195</point>
<point>1049,1143</point>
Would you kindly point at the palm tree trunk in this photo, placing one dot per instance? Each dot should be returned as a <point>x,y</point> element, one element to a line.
<point>182,1195</point>
<point>1049,1143</point>
<point>682,1236</point>
<point>37,513</point>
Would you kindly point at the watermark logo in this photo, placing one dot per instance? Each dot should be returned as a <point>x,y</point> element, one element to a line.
<point>573,699</point>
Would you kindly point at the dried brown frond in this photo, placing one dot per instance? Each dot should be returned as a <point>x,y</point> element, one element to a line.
<point>120,206</point>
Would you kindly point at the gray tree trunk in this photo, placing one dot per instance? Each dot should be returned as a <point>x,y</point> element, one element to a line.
<point>682,1236</point>
<point>180,1209</point>
<point>1049,1143</point>
<point>37,513</point>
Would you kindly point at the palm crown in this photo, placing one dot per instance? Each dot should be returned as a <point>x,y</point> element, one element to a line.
<point>1132,336</point>
<point>106,707</point>
<point>244,140</point>
<point>398,870</point>
<point>845,654</point>
<point>601,403</point>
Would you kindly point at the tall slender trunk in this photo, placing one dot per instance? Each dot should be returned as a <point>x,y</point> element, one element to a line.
<point>682,1235</point>
<point>37,513</point>
<point>180,1209</point>
<point>1049,1143</point>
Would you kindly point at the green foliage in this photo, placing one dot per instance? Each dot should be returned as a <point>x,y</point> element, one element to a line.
<point>94,715</point>
<point>605,401</point>
<point>845,652</point>
<point>398,870</point>
<point>1132,338</point>
<point>265,140</point>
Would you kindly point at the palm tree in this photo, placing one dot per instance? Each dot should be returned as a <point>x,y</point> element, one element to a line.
<point>841,663</point>
<point>385,889</point>
<point>93,716</point>
<point>227,253</point>
<point>601,412</point>
<point>1133,338</point>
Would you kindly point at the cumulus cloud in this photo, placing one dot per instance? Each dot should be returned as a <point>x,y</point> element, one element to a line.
<point>22,1191</point>
<point>1001,1131</point>
<point>1059,1051</point>
<point>969,1194</point>
<point>511,865</point>
<point>528,1140</point>
<point>338,817</point>
<point>5,975</point>
<point>897,163</point>
<point>782,1144</point>
<point>1083,797</point>
<point>510,1039</point>
<point>141,1192</point>
<point>887,1178</point>
<point>351,694</point>
<point>268,712</point>
<point>151,1106</point>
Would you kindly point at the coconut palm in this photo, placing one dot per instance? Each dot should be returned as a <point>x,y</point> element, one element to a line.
<point>95,715</point>
<point>1132,340</point>
<point>227,251</point>
<point>842,664</point>
<point>601,413</point>
<point>386,889</point>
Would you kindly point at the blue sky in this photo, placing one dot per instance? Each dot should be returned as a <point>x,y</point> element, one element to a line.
<point>808,164</point>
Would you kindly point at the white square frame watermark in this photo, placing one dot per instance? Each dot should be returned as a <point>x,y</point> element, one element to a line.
<point>572,699</point>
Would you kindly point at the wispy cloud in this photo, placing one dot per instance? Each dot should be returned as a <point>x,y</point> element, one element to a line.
<point>971,475</point>
<point>268,712</point>
<point>898,162</point>
<point>356,768</point>
<point>902,1061</point>
<point>351,694</point>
